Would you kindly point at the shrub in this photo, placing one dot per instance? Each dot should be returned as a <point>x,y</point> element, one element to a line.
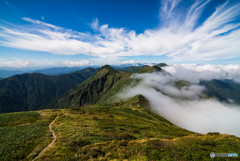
<point>75,145</point>
<point>125,136</point>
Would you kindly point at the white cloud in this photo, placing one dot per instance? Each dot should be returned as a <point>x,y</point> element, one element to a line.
<point>39,22</point>
<point>129,62</point>
<point>218,37</point>
<point>42,18</point>
<point>196,72</point>
<point>17,63</point>
<point>167,8</point>
<point>184,107</point>
<point>95,24</point>
<point>73,63</point>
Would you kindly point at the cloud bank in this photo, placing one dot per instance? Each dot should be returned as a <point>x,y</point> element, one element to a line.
<point>73,63</point>
<point>196,72</point>
<point>17,63</point>
<point>184,107</point>
<point>180,36</point>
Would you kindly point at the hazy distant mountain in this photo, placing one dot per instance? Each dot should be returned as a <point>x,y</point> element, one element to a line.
<point>224,90</point>
<point>161,64</point>
<point>9,73</point>
<point>58,70</point>
<point>65,70</point>
<point>125,66</point>
<point>46,71</point>
<point>33,91</point>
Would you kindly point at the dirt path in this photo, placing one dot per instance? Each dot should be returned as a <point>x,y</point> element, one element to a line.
<point>49,145</point>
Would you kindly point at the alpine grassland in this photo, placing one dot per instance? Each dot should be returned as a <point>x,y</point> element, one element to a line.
<point>123,132</point>
<point>23,132</point>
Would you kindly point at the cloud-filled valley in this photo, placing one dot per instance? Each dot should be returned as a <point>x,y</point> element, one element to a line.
<point>185,107</point>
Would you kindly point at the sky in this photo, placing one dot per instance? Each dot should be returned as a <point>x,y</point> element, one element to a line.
<point>43,33</point>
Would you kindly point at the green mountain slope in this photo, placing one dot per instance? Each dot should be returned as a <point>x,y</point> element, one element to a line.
<point>134,69</point>
<point>99,88</point>
<point>35,91</point>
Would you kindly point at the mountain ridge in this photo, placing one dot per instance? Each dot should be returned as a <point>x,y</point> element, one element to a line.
<point>32,91</point>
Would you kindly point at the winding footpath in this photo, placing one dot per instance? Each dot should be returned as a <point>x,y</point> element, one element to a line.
<point>49,145</point>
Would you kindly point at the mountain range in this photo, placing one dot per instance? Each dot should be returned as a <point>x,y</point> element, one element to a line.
<point>4,73</point>
<point>36,91</point>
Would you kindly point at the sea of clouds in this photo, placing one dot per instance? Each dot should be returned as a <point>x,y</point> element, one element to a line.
<point>185,107</point>
<point>196,72</point>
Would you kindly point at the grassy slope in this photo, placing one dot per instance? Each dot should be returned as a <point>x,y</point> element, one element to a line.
<point>129,131</point>
<point>23,134</point>
<point>117,131</point>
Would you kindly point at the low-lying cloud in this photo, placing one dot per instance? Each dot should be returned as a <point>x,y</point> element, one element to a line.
<point>17,63</point>
<point>73,63</point>
<point>195,72</point>
<point>184,106</point>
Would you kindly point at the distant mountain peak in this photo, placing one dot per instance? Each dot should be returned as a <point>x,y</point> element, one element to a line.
<point>108,67</point>
<point>161,64</point>
<point>157,68</point>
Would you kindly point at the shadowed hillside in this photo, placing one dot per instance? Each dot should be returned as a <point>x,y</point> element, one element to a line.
<point>33,91</point>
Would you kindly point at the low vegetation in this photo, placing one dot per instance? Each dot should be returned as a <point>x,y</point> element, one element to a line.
<point>21,133</point>
<point>106,132</point>
<point>120,131</point>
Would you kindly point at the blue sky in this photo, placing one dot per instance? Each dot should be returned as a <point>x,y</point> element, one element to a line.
<point>49,33</point>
